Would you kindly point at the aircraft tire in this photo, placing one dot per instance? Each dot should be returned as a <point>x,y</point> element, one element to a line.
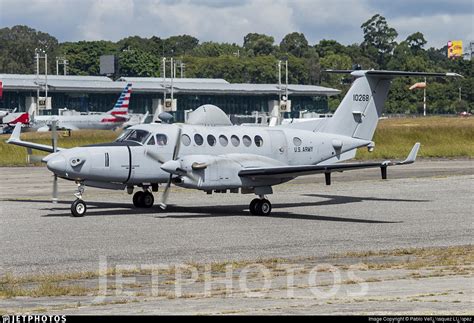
<point>147,200</point>
<point>138,199</point>
<point>264,207</point>
<point>252,206</point>
<point>78,208</point>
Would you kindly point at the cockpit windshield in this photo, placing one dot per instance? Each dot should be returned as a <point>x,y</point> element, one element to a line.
<point>137,135</point>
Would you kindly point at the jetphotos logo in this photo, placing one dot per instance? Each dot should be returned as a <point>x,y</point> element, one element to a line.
<point>246,279</point>
<point>33,318</point>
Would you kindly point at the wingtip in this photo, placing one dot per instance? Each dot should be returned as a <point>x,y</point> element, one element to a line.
<point>413,153</point>
<point>15,133</point>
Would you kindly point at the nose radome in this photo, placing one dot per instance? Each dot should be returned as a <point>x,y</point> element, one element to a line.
<point>57,164</point>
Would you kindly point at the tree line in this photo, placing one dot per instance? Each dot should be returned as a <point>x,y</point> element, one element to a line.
<point>255,61</point>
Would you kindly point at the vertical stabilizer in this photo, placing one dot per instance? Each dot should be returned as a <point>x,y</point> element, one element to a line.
<point>359,111</point>
<point>121,106</point>
<point>358,114</point>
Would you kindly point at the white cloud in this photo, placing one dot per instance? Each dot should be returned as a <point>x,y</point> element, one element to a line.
<point>437,29</point>
<point>231,20</point>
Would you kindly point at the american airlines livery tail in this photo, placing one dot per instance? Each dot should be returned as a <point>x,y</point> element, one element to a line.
<point>121,106</point>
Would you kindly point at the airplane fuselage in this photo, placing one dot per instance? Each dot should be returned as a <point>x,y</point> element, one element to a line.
<point>225,150</point>
<point>89,121</point>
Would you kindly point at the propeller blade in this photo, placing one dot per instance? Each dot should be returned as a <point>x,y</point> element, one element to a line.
<point>55,189</point>
<point>156,156</point>
<point>54,135</point>
<point>178,144</point>
<point>166,192</point>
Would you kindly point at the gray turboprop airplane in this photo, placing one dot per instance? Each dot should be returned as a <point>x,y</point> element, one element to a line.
<point>210,154</point>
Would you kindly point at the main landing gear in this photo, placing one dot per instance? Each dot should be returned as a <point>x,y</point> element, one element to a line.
<point>143,199</point>
<point>260,206</point>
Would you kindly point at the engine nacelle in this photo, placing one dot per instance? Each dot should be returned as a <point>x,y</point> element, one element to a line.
<point>209,173</point>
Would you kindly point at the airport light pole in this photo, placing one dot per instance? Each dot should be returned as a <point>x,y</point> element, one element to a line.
<point>164,79</point>
<point>279,81</point>
<point>46,79</point>
<point>173,71</point>
<point>424,99</point>
<point>38,56</point>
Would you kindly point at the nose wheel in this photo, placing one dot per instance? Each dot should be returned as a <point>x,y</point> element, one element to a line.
<point>260,207</point>
<point>143,199</point>
<point>78,208</point>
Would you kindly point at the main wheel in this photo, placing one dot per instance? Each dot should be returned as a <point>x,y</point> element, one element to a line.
<point>253,205</point>
<point>138,199</point>
<point>147,200</point>
<point>78,208</point>
<point>263,207</point>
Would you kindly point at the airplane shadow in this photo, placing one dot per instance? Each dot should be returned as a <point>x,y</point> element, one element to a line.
<point>194,212</point>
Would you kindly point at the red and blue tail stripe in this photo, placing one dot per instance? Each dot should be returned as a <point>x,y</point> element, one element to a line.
<point>121,106</point>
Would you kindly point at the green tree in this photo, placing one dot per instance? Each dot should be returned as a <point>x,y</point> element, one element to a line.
<point>416,42</point>
<point>17,49</point>
<point>213,49</point>
<point>294,44</point>
<point>379,39</point>
<point>327,47</point>
<point>179,45</point>
<point>138,63</point>
<point>258,44</point>
<point>84,56</point>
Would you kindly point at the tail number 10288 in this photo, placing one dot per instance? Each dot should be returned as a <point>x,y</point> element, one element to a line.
<point>361,97</point>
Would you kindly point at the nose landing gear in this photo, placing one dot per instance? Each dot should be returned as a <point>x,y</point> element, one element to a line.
<point>260,206</point>
<point>79,207</point>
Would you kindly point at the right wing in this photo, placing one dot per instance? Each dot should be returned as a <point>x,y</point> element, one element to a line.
<point>15,140</point>
<point>295,171</point>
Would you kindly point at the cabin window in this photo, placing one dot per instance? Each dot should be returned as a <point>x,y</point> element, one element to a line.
<point>258,141</point>
<point>223,140</point>
<point>161,139</point>
<point>211,140</point>
<point>297,141</point>
<point>198,139</point>
<point>151,142</point>
<point>185,140</point>
<point>235,140</point>
<point>247,141</point>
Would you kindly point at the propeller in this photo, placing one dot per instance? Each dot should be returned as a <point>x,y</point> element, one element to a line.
<point>173,167</point>
<point>166,192</point>
<point>54,139</point>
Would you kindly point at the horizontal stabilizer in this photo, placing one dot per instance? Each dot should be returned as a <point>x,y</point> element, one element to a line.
<point>390,74</point>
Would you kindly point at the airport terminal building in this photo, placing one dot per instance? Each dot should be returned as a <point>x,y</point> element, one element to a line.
<point>99,93</point>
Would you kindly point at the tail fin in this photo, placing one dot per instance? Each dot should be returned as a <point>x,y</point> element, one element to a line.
<point>23,118</point>
<point>121,106</point>
<point>357,115</point>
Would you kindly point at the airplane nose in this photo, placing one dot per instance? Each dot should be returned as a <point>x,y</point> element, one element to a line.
<point>57,164</point>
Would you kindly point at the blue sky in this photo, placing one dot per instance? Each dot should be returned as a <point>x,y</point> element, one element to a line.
<point>230,20</point>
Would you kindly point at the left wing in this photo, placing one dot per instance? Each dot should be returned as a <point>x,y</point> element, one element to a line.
<point>15,140</point>
<point>294,171</point>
